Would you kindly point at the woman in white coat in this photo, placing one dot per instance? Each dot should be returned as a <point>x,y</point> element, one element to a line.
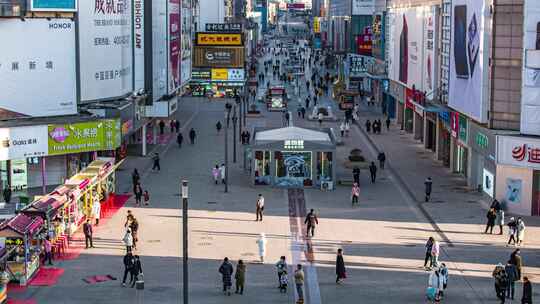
<point>262,246</point>
<point>96,209</point>
<point>435,283</point>
<point>520,228</point>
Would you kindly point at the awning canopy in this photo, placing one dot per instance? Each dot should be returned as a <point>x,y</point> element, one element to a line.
<point>292,133</point>
<point>46,206</point>
<point>22,225</point>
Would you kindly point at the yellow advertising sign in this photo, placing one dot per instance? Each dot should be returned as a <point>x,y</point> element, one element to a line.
<point>219,39</point>
<point>316,25</point>
<point>220,74</point>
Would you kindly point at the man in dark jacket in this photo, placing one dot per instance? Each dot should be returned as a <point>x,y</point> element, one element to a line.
<point>382,158</point>
<point>7,194</point>
<point>512,274</point>
<point>88,231</point>
<point>129,262</point>
<point>356,175</point>
<point>428,184</point>
<point>517,260</point>
<point>311,221</point>
<point>136,270</point>
<point>192,136</point>
<point>179,139</point>
<point>373,172</point>
<point>527,291</point>
<point>161,127</point>
<point>226,270</point>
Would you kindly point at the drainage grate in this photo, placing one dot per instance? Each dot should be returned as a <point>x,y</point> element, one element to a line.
<point>205,244</point>
<point>153,241</point>
<point>212,203</point>
<point>248,254</point>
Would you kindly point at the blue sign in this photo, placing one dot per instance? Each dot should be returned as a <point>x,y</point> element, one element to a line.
<point>317,43</point>
<point>54,5</point>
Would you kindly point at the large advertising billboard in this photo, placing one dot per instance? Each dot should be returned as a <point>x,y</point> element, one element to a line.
<point>105,37</point>
<point>174,45</point>
<point>208,56</point>
<point>37,72</point>
<point>138,43</point>
<point>530,94</point>
<point>222,39</point>
<point>186,43</point>
<point>160,47</point>
<point>411,47</point>
<point>53,5</point>
<point>84,136</point>
<point>23,142</point>
<point>467,59</point>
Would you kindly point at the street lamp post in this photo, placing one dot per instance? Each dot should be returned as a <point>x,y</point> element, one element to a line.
<point>227,116</point>
<point>184,192</point>
<point>234,121</point>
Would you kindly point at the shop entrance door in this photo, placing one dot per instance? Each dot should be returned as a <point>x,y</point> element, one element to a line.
<point>461,160</point>
<point>431,136</point>
<point>536,194</point>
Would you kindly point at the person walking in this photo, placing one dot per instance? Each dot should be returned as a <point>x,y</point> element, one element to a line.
<point>96,209</point>
<point>172,124</point>
<point>512,273</point>
<point>499,220</point>
<point>281,266</point>
<point>299,282</point>
<point>435,285</point>
<point>381,158</point>
<point>517,260</point>
<point>155,160</point>
<point>135,177</point>
<point>368,126</point>
<point>261,243</point>
<point>435,251</point>
<point>179,139</point>
<point>134,227</point>
<point>47,248</point>
<point>177,125</point>
<point>226,270</point>
<point>88,231</point>
<point>428,246</point>
<point>222,173</point>
<point>520,229</point>
<point>342,128</point>
<point>526,298</point>
<point>192,136</point>
<point>136,271</point>
<point>303,112</point>
<point>320,118</point>
<point>259,208</point>
<point>347,128</point>
<point>387,123</point>
<point>138,194</point>
<point>146,198</point>
<point>218,126</point>
<point>215,174</point>
<point>129,262</point>
<point>356,175</point>
<point>428,184</point>
<point>490,215</point>
<point>128,240</point>
<point>355,194</point>
<point>311,221</point>
<point>341,273</point>
<point>240,277</point>
<point>512,231</point>
<point>501,281</point>
<point>161,127</point>
<point>443,271</point>
<point>373,172</point>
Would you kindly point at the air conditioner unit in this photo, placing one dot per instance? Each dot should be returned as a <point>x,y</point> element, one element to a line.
<point>327,186</point>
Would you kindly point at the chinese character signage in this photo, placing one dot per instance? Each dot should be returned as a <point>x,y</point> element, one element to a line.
<point>54,5</point>
<point>220,74</point>
<point>316,25</point>
<point>23,142</point>
<point>363,42</point>
<point>201,74</point>
<point>14,241</point>
<point>84,137</point>
<point>174,45</point>
<point>105,39</point>
<point>224,39</point>
<point>463,126</point>
<point>224,27</point>
<point>218,57</point>
<point>358,64</point>
<point>518,151</point>
<point>37,82</point>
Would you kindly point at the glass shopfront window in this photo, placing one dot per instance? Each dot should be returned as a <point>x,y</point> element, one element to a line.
<point>262,168</point>
<point>293,169</point>
<point>324,166</point>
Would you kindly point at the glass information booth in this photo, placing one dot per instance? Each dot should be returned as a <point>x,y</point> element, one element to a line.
<point>293,157</point>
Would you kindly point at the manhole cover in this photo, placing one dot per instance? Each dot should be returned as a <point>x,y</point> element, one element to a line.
<point>204,244</point>
<point>212,203</point>
<point>153,241</point>
<point>207,238</point>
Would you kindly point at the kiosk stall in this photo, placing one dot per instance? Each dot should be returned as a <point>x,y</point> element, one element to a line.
<point>294,157</point>
<point>276,99</point>
<point>24,239</point>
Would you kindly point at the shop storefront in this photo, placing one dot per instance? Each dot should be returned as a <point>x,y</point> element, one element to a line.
<point>483,146</point>
<point>518,174</point>
<point>444,138</point>
<point>397,92</point>
<point>460,154</point>
<point>293,157</point>
<point>217,83</point>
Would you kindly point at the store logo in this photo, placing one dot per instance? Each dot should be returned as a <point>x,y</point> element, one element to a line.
<point>209,56</point>
<point>519,153</point>
<point>59,134</point>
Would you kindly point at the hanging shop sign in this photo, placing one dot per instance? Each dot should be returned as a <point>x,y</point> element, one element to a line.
<point>224,39</point>
<point>454,124</point>
<point>84,137</point>
<point>23,142</point>
<point>294,144</point>
<point>224,27</point>
<point>363,42</point>
<point>199,74</point>
<point>218,57</point>
<point>220,74</point>
<point>316,25</point>
<point>463,126</point>
<point>518,151</point>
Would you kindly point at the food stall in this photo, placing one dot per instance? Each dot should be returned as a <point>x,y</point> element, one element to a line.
<point>276,99</point>
<point>23,238</point>
<point>293,157</point>
<point>52,208</point>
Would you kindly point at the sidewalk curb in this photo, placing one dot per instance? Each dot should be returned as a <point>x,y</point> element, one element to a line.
<point>411,194</point>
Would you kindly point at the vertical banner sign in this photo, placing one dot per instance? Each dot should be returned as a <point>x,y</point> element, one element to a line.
<point>106,55</point>
<point>174,45</point>
<point>429,48</point>
<point>138,42</point>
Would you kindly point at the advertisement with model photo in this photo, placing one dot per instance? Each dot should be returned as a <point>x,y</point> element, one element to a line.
<point>105,38</point>
<point>466,59</point>
<point>37,73</point>
<point>530,103</point>
<point>174,45</point>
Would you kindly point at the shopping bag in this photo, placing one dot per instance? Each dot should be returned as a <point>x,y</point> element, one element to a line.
<point>431,293</point>
<point>139,284</point>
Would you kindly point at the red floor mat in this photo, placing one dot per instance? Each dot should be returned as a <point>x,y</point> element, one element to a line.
<point>46,276</point>
<point>98,279</point>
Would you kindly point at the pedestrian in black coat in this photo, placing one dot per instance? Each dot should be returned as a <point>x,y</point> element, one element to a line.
<point>129,262</point>
<point>368,126</point>
<point>341,272</point>
<point>192,136</point>
<point>373,172</point>
<point>356,175</point>
<point>136,270</point>
<point>179,139</point>
<point>428,185</point>
<point>491,215</point>
<point>527,291</point>
<point>177,125</point>
<point>226,270</point>
<point>382,158</point>
<point>388,123</point>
